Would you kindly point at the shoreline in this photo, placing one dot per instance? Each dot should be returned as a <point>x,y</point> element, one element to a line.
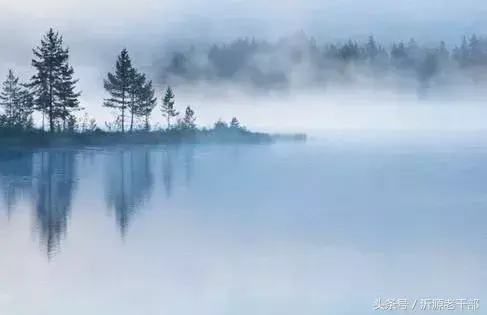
<point>41,140</point>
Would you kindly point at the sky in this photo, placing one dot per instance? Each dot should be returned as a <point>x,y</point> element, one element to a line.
<point>98,19</point>
<point>96,31</point>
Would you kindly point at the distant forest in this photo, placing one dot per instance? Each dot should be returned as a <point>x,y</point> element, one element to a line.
<point>300,60</point>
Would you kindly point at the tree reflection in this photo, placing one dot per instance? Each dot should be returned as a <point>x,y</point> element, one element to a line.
<point>189,163</point>
<point>54,185</point>
<point>168,170</point>
<point>129,183</point>
<point>15,175</point>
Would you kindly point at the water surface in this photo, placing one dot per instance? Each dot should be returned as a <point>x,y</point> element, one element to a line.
<point>315,228</point>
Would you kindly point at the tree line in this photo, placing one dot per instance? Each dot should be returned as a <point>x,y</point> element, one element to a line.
<point>52,92</point>
<point>132,96</point>
<point>271,64</point>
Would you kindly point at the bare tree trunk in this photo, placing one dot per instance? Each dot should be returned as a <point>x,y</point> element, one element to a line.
<point>123,119</point>
<point>51,120</point>
<point>132,112</point>
<point>50,108</point>
<point>64,118</point>
<point>123,111</point>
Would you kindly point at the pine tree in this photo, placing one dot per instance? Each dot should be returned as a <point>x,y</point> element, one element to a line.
<point>461,54</point>
<point>72,123</point>
<point>67,95</point>
<point>16,102</point>
<point>220,125</point>
<point>9,97</point>
<point>427,70</point>
<point>371,49</point>
<point>146,103</point>
<point>167,109</point>
<point>234,123</point>
<point>189,118</point>
<point>53,85</point>
<point>137,84</point>
<point>26,120</point>
<point>118,85</point>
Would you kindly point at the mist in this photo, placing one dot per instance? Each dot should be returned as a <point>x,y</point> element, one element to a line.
<point>96,32</point>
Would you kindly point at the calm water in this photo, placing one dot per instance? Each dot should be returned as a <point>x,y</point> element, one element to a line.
<point>313,228</point>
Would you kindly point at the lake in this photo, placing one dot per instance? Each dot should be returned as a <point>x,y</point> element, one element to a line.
<point>322,227</point>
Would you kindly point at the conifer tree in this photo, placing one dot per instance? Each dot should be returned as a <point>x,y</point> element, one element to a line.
<point>118,84</point>
<point>25,119</point>
<point>371,49</point>
<point>136,91</point>
<point>234,123</point>
<point>220,125</point>
<point>146,103</point>
<point>67,95</point>
<point>16,102</point>
<point>189,118</point>
<point>9,97</point>
<point>168,109</point>
<point>53,85</point>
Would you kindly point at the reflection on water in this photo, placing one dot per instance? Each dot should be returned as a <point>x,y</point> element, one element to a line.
<point>54,182</point>
<point>129,184</point>
<point>285,229</point>
<point>168,170</point>
<point>48,179</point>
<point>16,171</point>
<point>188,163</point>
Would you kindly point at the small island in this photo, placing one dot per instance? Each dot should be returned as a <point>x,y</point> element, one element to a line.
<point>52,94</point>
<point>221,133</point>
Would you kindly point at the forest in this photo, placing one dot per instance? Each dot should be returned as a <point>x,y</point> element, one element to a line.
<point>52,93</point>
<point>300,60</point>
